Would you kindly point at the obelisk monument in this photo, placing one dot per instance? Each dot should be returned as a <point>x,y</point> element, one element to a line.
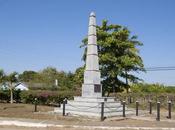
<point>89,104</point>
<point>92,78</point>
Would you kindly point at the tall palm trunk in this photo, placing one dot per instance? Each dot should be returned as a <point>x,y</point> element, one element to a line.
<point>127,87</point>
<point>11,94</point>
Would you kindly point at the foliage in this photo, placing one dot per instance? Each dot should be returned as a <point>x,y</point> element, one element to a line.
<point>11,81</point>
<point>46,97</point>
<point>1,76</point>
<point>5,95</point>
<point>12,78</point>
<point>143,93</point>
<point>151,88</point>
<point>45,79</point>
<point>118,56</point>
<point>28,76</point>
<point>16,95</point>
<point>78,76</point>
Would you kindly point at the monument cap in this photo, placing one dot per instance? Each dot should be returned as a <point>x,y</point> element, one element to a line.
<point>92,14</point>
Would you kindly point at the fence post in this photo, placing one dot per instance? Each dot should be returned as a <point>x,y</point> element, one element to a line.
<point>137,108</point>
<point>124,109</point>
<point>169,109</point>
<point>102,111</point>
<point>35,104</point>
<point>158,111</point>
<point>64,106</point>
<point>150,107</point>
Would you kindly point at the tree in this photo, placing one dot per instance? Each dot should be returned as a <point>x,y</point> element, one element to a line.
<point>49,75</point>
<point>78,77</point>
<point>28,76</point>
<point>118,56</point>
<point>2,76</point>
<point>12,80</point>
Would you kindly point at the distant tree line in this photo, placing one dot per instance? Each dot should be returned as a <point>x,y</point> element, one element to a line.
<point>45,79</point>
<point>41,85</point>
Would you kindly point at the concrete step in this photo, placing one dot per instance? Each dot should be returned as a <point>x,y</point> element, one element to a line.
<point>94,113</point>
<point>92,99</point>
<point>93,109</point>
<point>91,104</point>
<point>87,106</point>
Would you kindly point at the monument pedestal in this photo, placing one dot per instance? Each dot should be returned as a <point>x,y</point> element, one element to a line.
<point>91,90</point>
<point>91,107</point>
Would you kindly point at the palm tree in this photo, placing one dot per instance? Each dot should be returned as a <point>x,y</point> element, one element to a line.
<point>11,81</point>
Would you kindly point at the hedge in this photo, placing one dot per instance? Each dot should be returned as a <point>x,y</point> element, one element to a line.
<point>45,97</point>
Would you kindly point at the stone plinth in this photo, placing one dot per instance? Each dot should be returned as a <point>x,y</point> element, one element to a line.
<point>86,88</point>
<point>91,107</point>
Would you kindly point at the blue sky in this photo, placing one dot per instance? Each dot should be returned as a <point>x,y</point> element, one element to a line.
<point>35,34</point>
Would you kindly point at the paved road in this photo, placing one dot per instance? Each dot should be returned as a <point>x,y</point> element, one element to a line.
<point>115,124</point>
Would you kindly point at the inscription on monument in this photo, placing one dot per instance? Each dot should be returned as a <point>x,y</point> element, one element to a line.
<point>97,88</point>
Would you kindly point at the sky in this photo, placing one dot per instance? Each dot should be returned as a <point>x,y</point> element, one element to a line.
<point>35,34</point>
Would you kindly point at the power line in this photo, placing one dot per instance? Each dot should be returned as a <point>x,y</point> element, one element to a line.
<point>161,67</point>
<point>167,68</point>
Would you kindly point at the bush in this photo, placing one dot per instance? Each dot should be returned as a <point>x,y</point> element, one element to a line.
<point>4,95</point>
<point>45,97</point>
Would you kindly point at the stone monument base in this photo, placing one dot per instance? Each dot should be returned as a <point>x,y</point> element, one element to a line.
<point>91,107</point>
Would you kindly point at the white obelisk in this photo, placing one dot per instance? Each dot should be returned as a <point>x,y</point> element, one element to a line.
<point>92,77</point>
<point>89,104</point>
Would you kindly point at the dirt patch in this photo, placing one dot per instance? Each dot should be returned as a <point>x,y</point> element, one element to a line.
<point>23,111</point>
<point>26,112</point>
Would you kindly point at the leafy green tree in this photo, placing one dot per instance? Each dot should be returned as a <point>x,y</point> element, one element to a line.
<point>28,76</point>
<point>78,77</point>
<point>65,80</point>
<point>70,80</point>
<point>118,56</point>
<point>2,75</point>
<point>49,74</point>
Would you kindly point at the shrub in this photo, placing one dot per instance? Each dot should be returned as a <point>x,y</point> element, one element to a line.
<point>46,97</point>
<point>4,95</point>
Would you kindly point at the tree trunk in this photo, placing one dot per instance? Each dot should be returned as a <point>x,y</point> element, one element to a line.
<point>127,90</point>
<point>127,87</point>
<point>11,95</point>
